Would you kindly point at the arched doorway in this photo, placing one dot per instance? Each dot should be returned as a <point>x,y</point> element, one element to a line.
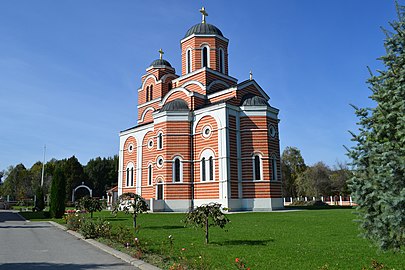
<point>81,186</point>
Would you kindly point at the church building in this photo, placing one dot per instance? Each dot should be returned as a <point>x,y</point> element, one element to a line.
<point>202,136</point>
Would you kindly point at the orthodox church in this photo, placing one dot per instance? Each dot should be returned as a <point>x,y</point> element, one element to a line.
<point>202,136</point>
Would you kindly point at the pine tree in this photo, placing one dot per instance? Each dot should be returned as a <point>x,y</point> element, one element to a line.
<point>58,193</point>
<point>378,158</point>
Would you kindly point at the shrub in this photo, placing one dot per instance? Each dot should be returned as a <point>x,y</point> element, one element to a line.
<point>90,205</point>
<point>74,221</point>
<point>308,203</point>
<point>95,228</point>
<point>122,234</point>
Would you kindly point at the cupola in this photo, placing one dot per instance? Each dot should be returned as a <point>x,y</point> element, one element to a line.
<point>204,46</point>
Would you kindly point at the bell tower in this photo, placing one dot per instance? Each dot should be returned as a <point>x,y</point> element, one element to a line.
<point>204,46</point>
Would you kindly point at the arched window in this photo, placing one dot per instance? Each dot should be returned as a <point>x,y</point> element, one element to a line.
<point>274,169</point>
<point>160,141</point>
<point>170,86</point>
<point>151,92</point>
<point>177,170</point>
<point>130,175</point>
<point>203,170</point>
<point>211,168</point>
<point>205,57</point>
<point>257,167</point>
<point>207,165</point>
<point>221,60</point>
<point>147,93</point>
<point>127,184</point>
<point>188,61</point>
<point>150,174</point>
<point>159,191</point>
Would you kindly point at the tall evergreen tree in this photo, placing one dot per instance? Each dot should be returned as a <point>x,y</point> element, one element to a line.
<point>58,193</point>
<point>74,174</point>
<point>378,158</point>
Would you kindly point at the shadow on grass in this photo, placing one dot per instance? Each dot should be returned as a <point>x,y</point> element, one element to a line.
<point>115,219</point>
<point>171,227</point>
<point>312,207</point>
<point>243,242</point>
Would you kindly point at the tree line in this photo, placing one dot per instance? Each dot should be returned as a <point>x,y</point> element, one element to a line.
<point>317,180</point>
<point>22,183</point>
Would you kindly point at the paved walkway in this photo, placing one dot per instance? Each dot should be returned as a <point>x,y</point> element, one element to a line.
<point>41,246</point>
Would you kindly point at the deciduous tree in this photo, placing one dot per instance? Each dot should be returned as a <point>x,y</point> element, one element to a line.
<point>292,165</point>
<point>130,203</point>
<point>207,215</point>
<point>315,181</point>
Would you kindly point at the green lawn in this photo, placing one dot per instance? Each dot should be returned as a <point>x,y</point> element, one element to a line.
<point>308,239</point>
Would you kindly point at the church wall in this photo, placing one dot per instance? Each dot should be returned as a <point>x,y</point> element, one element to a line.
<point>128,157</point>
<point>233,159</point>
<point>207,189</point>
<point>148,157</point>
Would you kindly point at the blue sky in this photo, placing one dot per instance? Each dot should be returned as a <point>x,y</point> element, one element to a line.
<point>70,70</point>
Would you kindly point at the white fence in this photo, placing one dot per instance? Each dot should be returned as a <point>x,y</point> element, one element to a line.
<point>331,200</point>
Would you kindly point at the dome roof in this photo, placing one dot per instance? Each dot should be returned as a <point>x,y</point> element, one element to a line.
<point>205,29</point>
<point>253,100</point>
<point>175,105</point>
<point>160,62</point>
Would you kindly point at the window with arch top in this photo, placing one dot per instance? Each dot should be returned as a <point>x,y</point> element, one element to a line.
<point>151,92</point>
<point>150,174</point>
<point>177,170</point>
<point>221,60</point>
<point>205,56</point>
<point>188,61</point>
<point>159,191</point>
<point>130,175</point>
<point>160,141</point>
<point>207,165</point>
<point>257,167</point>
<point>147,94</point>
<point>274,168</point>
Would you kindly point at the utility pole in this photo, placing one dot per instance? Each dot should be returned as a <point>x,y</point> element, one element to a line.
<point>43,168</point>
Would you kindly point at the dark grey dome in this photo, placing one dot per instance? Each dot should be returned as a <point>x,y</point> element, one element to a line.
<point>253,100</point>
<point>160,62</point>
<point>175,105</point>
<point>204,28</point>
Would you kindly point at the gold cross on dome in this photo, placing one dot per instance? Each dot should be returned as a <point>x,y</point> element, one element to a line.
<point>161,52</point>
<point>204,13</point>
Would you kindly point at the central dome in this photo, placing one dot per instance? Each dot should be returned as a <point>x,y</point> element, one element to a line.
<point>204,29</point>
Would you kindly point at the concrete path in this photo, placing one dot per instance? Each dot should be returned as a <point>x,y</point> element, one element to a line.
<point>41,246</point>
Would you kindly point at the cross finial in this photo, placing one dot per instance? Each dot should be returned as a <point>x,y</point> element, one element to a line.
<point>204,13</point>
<point>161,52</point>
<point>250,75</point>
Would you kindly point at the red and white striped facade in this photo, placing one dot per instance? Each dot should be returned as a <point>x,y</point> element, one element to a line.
<point>202,137</point>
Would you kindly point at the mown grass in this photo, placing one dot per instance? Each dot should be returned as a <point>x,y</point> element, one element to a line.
<point>277,240</point>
